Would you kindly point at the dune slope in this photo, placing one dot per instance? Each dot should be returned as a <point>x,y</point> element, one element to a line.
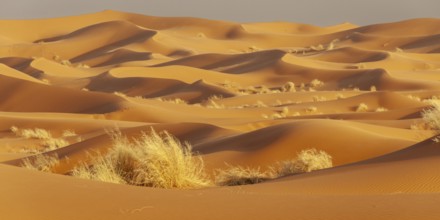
<point>241,94</point>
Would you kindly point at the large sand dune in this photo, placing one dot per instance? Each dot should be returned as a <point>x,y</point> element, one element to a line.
<point>359,95</point>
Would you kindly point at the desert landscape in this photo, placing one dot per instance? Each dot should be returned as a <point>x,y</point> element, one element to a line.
<point>115,115</point>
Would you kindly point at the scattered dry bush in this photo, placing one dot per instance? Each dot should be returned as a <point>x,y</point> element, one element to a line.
<point>431,116</point>
<point>288,87</point>
<point>381,109</point>
<point>48,142</point>
<point>362,108</point>
<point>311,109</point>
<point>154,160</point>
<point>174,101</point>
<point>41,162</point>
<point>238,175</point>
<point>306,161</point>
<point>316,83</point>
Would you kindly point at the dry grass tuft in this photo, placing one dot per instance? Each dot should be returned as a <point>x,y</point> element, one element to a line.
<point>41,162</point>
<point>36,133</point>
<point>306,161</point>
<point>381,109</point>
<point>48,142</point>
<point>431,116</point>
<point>174,101</point>
<point>316,83</point>
<point>362,108</point>
<point>238,175</point>
<point>69,133</point>
<point>288,87</point>
<point>311,109</point>
<point>155,160</point>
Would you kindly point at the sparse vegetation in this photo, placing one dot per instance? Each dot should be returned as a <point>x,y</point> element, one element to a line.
<point>174,101</point>
<point>431,116</point>
<point>238,175</point>
<point>48,142</point>
<point>154,160</point>
<point>316,83</point>
<point>362,107</point>
<point>306,161</point>
<point>41,162</point>
<point>288,87</point>
<point>68,133</point>
<point>381,109</point>
<point>311,109</point>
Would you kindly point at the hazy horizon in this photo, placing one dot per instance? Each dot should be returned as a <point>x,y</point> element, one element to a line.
<point>317,12</point>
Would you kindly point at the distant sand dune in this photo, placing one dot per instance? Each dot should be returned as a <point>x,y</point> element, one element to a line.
<point>251,94</point>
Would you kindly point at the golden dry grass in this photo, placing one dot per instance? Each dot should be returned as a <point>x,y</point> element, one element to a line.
<point>306,161</point>
<point>238,175</point>
<point>47,140</point>
<point>154,160</point>
<point>41,162</point>
<point>431,116</point>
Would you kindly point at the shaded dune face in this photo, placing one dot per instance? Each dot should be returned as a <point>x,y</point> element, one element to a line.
<point>248,95</point>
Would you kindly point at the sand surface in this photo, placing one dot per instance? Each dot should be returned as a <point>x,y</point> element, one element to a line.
<point>94,72</point>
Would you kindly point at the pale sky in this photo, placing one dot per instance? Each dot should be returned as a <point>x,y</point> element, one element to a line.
<point>317,12</point>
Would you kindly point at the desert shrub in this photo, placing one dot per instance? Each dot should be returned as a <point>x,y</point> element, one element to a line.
<point>288,87</point>
<point>103,169</point>
<point>68,133</point>
<point>54,143</point>
<point>316,83</point>
<point>362,107</point>
<point>306,161</point>
<point>431,116</point>
<point>36,133</point>
<point>381,109</point>
<point>238,175</point>
<point>154,160</point>
<point>41,162</point>
<point>48,142</point>
<point>311,109</point>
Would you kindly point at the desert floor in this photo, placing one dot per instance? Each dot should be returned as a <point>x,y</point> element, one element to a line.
<point>246,95</point>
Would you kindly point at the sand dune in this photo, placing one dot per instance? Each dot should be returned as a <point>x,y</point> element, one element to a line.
<point>250,94</point>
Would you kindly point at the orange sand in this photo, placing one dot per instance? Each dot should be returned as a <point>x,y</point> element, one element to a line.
<point>383,168</point>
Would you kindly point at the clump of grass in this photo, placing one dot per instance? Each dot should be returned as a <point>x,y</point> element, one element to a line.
<point>54,143</point>
<point>316,83</point>
<point>41,162</point>
<point>260,104</point>
<point>415,98</point>
<point>362,108</point>
<point>48,142</point>
<point>311,109</point>
<point>120,94</point>
<point>319,98</point>
<point>174,101</point>
<point>306,161</point>
<point>212,102</point>
<point>154,160</point>
<point>381,109</point>
<point>288,87</point>
<point>36,133</point>
<point>340,96</point>
<point>431,116</point>
<point>238,175</point>
<point>68,133</point>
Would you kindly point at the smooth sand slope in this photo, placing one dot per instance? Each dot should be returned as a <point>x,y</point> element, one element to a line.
<point>241,94</point>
